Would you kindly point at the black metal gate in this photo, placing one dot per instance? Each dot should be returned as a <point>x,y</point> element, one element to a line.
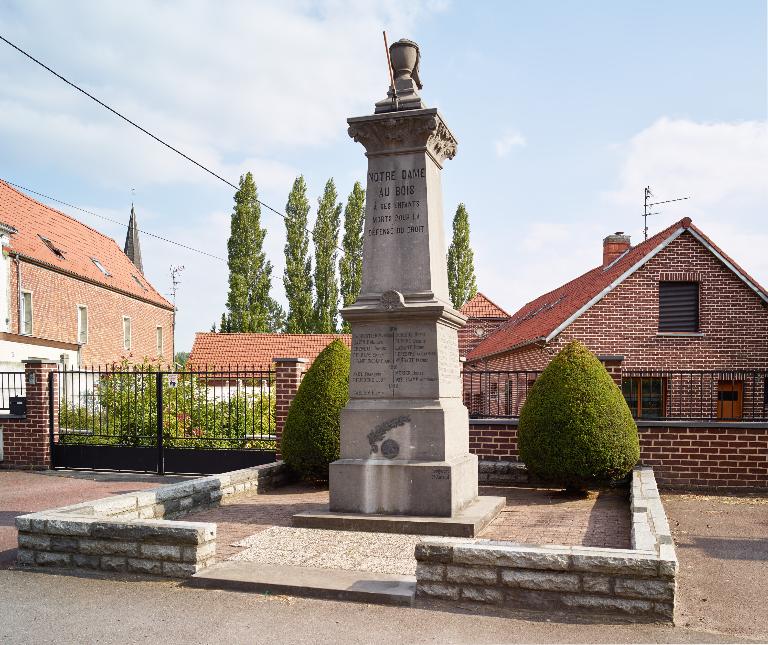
<point>144,419</point>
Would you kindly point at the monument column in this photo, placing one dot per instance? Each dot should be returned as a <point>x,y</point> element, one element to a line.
<point>405,430</point>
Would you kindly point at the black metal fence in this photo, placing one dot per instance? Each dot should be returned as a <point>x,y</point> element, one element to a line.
<point>497,393</point>
<point>654,395</point>
<point>198,421</point>
<point>699,395</point>
<point>12,386</point>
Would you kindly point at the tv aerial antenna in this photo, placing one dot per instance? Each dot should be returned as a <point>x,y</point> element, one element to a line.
<point>175,282</point>
<point>648,205</point>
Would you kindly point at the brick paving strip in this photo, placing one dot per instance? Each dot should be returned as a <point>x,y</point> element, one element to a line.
<point>258,528</point>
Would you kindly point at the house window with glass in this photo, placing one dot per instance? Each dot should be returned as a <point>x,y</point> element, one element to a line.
<point>26,313</point>
<point>645,396</point>
<point>126,333</point>
<point>159,339</point>
<point>82,324</point>
<point>679,307</point>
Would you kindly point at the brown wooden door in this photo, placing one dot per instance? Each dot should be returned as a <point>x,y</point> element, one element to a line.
<point>730,396</point>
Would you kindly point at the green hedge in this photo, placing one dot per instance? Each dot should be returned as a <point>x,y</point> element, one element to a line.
<point>310,440</point>
<point>575,427</point>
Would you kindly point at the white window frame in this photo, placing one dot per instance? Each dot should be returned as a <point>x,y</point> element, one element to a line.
<point>127,346</point>
<point>79,324</point>
<point>159,336</point>
<point>23,313</point>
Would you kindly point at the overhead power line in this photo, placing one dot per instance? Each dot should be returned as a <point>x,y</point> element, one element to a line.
<point>109,219</point>
<point>144,130</point>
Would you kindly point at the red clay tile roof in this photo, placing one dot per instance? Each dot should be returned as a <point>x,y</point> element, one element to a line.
<point>256,351</point>
<point>77,242</point>
<point>540,317</point>
<point>481,307</point>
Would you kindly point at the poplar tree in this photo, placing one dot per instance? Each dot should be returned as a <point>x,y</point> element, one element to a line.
<point>297,277</point>
<point>351,263</point>
<point>325,237</point>
<point>461,263</point>
<point>250,308</point>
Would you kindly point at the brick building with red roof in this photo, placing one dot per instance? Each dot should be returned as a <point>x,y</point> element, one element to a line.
<point>71,294</point>
<point>483,318</point>
<point>255,352</point>
<point>675,302</point>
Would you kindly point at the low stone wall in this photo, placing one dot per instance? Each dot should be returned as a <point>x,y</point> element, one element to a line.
<point>135,532</point>
<point>638,583</point>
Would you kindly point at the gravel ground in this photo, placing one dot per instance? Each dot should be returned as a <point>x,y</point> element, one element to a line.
<point>322,549</point>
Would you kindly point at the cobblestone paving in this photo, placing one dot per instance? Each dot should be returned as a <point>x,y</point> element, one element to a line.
<point>532,516</point>
<point>545,516</point>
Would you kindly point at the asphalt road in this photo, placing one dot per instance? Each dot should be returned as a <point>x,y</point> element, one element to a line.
<point>46,608</point>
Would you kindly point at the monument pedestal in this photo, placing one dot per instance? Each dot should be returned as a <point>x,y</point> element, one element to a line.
<point>405,463</point>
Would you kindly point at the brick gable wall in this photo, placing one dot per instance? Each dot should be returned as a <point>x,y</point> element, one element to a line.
<point>55,298</point>
<point>733,320</point>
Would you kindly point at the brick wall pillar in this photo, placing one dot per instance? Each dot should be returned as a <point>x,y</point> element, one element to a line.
<point>288,375</point>
<point>26,439</point>
<point>613,365</point>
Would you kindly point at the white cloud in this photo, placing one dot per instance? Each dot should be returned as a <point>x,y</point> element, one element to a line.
<point>221,82</point>
<point>511,139</point>
<point>712,162</point>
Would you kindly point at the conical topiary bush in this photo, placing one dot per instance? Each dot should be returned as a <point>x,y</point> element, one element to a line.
<point>310,438</point>
<point>575,426</point>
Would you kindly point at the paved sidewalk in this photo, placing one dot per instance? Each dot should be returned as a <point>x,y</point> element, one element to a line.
<point>28,491</point>
<point>722,546</point>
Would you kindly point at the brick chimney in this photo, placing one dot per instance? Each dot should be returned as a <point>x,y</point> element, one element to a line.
<point>613,246</point>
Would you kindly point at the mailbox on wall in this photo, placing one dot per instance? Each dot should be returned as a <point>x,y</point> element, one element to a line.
<point>17,405</point>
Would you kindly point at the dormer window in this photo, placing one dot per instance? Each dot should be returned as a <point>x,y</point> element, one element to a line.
<point>54,249</point>
<point>100,267</point>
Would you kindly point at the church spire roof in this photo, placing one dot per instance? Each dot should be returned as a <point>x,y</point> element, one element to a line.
<point>132,248</point>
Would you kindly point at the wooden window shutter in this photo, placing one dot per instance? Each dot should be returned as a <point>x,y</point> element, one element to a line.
<point>679,306</point>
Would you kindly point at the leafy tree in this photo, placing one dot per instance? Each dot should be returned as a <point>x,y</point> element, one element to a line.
<point>249,305</point>
<point>326,238</point>
<point>297,278</point>
<point>575,427</point>
<point>310,440</point>
<point>223,324</point>
<point>351,263</point>
<point>181,358</point>
<point>461,263</point>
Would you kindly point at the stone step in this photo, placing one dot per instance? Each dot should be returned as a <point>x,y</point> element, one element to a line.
<point>466,523</point>
<point>334,584</point>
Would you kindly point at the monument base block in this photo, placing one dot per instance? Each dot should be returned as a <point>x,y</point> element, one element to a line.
<point>403,487</point>
<point>466,523</point>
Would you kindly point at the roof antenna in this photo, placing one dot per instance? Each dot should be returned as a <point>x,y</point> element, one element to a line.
<point>391,77</point>
<point>648,204</point>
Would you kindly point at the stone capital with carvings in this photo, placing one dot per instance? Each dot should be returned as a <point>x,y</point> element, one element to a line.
<point>408,131</point>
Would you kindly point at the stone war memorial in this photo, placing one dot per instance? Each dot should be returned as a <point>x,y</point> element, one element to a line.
<point>405,463</point>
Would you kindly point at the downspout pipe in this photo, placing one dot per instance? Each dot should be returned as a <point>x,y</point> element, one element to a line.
<point>18,292</point>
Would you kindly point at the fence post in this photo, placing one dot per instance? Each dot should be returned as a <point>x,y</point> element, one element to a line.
<point>51,412</point>
<point>288,375</point>
<point>160,450</point>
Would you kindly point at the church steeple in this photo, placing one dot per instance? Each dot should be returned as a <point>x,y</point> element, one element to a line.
<point>132,248</point>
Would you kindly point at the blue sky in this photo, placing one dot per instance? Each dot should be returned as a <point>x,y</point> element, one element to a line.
<point>564,111</point>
